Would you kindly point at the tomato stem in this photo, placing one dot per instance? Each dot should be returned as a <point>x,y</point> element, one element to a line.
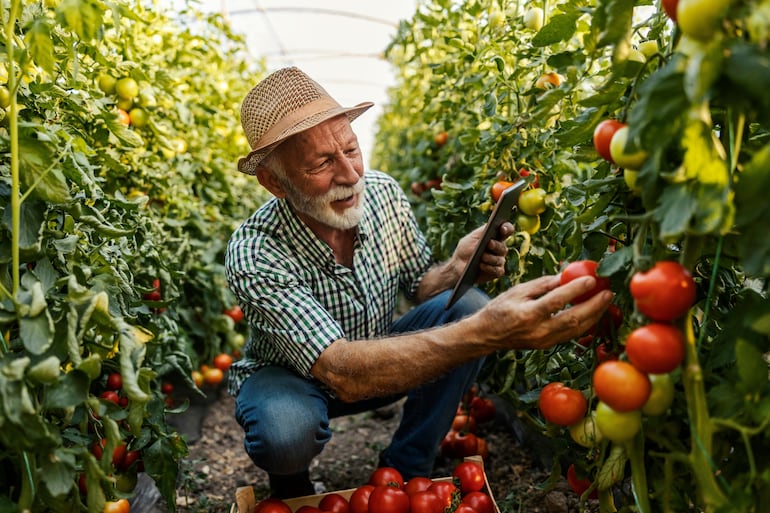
<point>635,451</point>
<point>13,126</point>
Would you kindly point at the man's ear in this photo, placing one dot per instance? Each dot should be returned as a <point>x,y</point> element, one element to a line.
<point>267,178</point>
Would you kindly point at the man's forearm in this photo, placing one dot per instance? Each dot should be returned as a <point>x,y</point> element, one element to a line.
<point>438,278</point>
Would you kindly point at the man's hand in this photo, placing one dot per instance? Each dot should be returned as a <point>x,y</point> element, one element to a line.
<point>536,315</point>
<point>492,263</point>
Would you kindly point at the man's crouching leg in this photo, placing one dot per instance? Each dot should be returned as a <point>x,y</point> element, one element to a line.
<point>286,424</point>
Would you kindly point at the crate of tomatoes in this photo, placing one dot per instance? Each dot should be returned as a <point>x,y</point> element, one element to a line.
<point>465,491</point>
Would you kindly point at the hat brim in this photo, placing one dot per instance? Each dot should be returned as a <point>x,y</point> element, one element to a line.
<point>250,162</point>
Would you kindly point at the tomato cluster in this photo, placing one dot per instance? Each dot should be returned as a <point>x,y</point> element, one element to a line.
<point>531,202</point>
<point>462,439</point>
<point>125,91</point>
<point>386,491</point>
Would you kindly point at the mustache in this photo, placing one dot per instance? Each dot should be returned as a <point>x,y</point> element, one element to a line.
<point>340,192</point>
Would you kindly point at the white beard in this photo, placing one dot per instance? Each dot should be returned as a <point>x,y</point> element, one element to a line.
<point>320,209</point>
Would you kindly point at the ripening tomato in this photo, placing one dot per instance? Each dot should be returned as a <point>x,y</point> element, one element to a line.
<point>656,348</point>
<point>465,444</point>
<point>359,499</point>
<point>470,475</point>
<point>621,386</point>
<point>529,224</point>
<point>386,476</point>
<point>425,501</point>
<point>388,499</point>
<point>213,376</point>
<point>334,503</point>
<point>222,361</point>
<point>532,201</point>
<point>464,423</point>
<point>669,6</point>
<point>548,80</point>
<point>562,405</point>
<point>661,396</point>
<point>620,154</point>
<point>483,409</point>
<point>617,426</point>
<point>479,501</point>
<point>603,135</point>
<point>664,292</point>
<point>700,19</point>
<point>197,377</point>
<point>118,506</point>
<point>497,189</point>
<point>235,313</point>
<point>272,505</point>
<point>441,138</point>
<point>580,268</point>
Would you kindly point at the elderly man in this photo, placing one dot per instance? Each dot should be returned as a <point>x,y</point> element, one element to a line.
<point>318,270</point>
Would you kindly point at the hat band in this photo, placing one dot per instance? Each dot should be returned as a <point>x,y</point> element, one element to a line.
<point>322,104</point>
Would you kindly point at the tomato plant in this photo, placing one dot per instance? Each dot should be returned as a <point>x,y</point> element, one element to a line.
<point>621,386</point>
<point>664,292</point>
<point>561,404</point>
<point>655,348</point>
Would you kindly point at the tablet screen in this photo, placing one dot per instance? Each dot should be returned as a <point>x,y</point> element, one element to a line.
<point>501,213</point>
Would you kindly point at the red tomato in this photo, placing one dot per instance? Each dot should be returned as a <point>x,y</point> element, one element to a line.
<point>114,381</point>
<point>445,490</point>
<point>483,409</point>
<point>479,501</point>
<point>166,388</point>
<point>417,484</point>
<point>235,313</point>
<point>471,476</point>
<point>498,188</point>
<point>272,506</point>
<point>466,444</point>
<point>579,485</point>
<point>464,423</point>
<point>580,268</point>
<point>426,502</point>
<point>481,448</point>
<point>111,396</point>
<point>130,458</point>
<point>670,7</point>
<point>449,444</point>
<point>359,499</point>
<point>621,386</point>
<point>665,292</point>
<point>603,135</point>
<point>524,173</point>
<point>388,499</point>
<point>604,353</point>
<point>562,405</point>
<point>335,503</point>
<point>386,476</point>
<point>655,348</point>
<point>308,509</point>
<point>222,361</point>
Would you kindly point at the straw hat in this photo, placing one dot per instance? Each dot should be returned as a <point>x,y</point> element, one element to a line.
<point>283,104</point>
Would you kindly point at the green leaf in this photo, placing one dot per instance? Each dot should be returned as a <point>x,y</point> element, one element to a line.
<point>676,208</point>
<point>612,470</point>
<point>702,162</point>
<point>83,17</point>
<point>36,333</point>
<point>37,171</point>
<point>615,262</point>
<point>752,368</point>
<point>561,27</point>
<point>38,39</point>
<point>70,390</point>
<point>32,217</point>
<point>618,15</point>
<point>703,70</point>
<point>58,470</point>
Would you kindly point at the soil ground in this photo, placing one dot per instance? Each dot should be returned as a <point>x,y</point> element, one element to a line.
<point>217,464</point>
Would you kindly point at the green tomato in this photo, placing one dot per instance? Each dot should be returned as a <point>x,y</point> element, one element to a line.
<point>617,426</point>
<point>106,83</point>
<point>661,396</point>
<point>620,156</point>
<point>648,48</point>
<point>138,117</point>
<point>630,176</point>
<point>126,88</point>
<point>585,432</point>
<point>5,97</point>
<point>700,19</point>
<point>533,19</point>
<point>532,202</point>
<point>529,224</point>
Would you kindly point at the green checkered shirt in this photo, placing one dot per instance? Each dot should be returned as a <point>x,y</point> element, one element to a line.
<point>298,300</point>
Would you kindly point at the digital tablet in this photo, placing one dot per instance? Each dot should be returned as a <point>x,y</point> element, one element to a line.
<point>501,213</point>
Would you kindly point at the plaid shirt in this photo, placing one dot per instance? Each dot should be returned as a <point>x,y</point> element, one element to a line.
<point>298,300</point>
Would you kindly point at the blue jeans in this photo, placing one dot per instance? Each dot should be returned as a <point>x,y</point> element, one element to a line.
<point>285,417</point>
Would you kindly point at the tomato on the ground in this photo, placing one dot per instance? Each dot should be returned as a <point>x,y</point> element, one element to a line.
<point>483,409</point>
<point>621,386</point>
<point>580,268</point>
<point>464,423</point>
<point>656,348</point>
<point>664,292</point>
<point>562,405</point>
